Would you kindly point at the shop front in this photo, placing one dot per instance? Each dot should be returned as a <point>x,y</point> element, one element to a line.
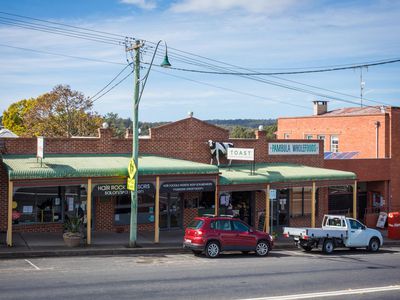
<point>278,194</point>
<point>93,186</point>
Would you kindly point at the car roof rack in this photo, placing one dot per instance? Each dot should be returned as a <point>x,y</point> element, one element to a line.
<point>229,216</point>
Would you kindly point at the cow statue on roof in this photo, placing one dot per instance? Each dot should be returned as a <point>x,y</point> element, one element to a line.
<point>217,149</point>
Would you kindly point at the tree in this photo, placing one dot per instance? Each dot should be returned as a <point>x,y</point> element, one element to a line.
<point>117,124</point>
<point>240,132</point>
<point>62,112</point>
<point>270,130</point>
<point>14,117</point>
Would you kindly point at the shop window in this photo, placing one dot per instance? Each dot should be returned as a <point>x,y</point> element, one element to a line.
<point>47,204</point>
<point>334,143</point>
<point>301,201</point>
<point>145,210</point>
<point>206,203</point>
<point>340,200</point>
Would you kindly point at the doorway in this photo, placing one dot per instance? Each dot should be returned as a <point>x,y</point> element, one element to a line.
<point>170,211</point>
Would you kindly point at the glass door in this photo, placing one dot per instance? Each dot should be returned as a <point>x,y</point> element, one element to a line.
<point>170,211</point>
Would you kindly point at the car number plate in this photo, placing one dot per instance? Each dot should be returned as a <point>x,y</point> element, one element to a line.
<point>188,241</point>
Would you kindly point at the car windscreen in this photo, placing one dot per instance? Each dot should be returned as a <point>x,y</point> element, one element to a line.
<point>196,224</point>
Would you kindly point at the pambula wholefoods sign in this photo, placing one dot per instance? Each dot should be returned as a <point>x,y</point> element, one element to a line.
<point>293,148</point>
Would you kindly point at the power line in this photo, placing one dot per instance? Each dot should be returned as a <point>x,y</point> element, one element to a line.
<point>115,77</point>
<point>70,26</point>
<point>110,89</point>
<point>71,34</point>
<point>62,55</point>
<point>287,73</point>
<point>231,90</point>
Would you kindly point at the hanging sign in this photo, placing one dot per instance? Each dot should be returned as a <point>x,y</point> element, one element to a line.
<point>240,154</point>
<point>121,189</point>
<point>293,148</point>
<point>189,186</point>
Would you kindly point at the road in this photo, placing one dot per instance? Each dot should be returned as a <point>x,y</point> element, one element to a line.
<point>184,276</point>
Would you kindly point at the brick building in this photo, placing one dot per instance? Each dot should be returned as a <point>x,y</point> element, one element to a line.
<point>363,140</point>
<point>176,180</point>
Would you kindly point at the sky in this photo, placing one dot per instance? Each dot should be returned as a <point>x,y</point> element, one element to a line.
<point>227,35</point>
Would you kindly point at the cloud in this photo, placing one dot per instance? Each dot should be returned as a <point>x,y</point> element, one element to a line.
<point>217,6</point>
<point>144,4</point>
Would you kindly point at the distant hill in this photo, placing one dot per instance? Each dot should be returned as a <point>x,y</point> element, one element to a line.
<point>250,123</point>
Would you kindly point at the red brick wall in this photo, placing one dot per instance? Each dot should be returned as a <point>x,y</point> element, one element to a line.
<point>356,133</point>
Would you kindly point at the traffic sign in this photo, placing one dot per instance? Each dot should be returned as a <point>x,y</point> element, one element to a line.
<point>130,184</point>
<point>132,168</point>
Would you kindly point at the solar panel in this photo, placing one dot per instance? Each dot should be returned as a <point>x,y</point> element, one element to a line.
<point>340,155</point>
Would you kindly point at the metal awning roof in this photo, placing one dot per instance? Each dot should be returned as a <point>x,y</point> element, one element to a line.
<point>278,172</point>
<point>98,165</point>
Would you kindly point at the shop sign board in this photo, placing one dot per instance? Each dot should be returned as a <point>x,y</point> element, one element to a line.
<point>118,189</point>
<point>293,148</point>
<point>189,186</point>
<point>40,147</point>
<point>240,154</point>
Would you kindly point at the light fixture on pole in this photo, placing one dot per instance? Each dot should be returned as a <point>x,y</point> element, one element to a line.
<point>133,164</point>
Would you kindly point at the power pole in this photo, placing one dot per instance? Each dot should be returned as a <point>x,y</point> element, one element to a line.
<point>135,145</point>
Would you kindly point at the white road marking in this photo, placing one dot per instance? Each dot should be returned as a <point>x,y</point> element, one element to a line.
<point>294,253</point>
<point>32,264</point>
<point>331,294</point>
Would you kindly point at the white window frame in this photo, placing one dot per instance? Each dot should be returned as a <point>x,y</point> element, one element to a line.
<point>286,136</point>
<point>334,143</point>
<point>308,136</point>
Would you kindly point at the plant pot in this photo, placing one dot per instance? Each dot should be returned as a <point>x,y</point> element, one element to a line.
<point>72,239</point>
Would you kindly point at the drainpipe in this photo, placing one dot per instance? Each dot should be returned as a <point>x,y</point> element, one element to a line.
<point>377,125</point>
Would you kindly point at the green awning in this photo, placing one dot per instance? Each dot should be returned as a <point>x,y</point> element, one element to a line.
<point>98,165</point>
<point>278,172</point>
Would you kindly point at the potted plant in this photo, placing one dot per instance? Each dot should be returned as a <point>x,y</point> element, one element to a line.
<point>72,231</point>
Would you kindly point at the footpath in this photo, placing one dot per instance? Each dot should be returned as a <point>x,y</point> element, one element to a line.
<point>29,245</point>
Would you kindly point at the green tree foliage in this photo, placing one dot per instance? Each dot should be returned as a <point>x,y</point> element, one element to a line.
<point>14,118</point>
<point>270,130</point>
<point>117,124</point>
<point>61,112</point>
<point>240,132</point>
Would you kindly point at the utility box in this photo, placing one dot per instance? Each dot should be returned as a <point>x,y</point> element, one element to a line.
<point>394,225</point>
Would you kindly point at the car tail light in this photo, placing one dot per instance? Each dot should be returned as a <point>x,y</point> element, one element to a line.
<point>286,235</point>
<point>305,237</point>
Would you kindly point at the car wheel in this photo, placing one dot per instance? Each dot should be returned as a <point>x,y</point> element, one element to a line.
<point>328,246</point>
<point>374,245</point>
<point>196,252</point>
<point>262,248</point>
<point>307,248</point>
<point>212,249</point>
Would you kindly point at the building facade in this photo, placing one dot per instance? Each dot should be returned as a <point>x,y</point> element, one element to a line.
<point>286,183</point>
<point>363,140</point>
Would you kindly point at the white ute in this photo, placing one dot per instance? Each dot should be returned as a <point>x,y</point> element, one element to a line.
<point>336,231</point>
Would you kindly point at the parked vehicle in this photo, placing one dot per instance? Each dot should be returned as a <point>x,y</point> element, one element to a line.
<point>336,231</point>
<point>213,234</point>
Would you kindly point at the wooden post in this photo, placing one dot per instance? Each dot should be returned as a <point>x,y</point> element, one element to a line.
<point>9,214</point>
<point>267,204</point>
<point>355,200</point>
<point>313,205</point>
<point>157,212</point>
<point>216,204</point>
<point>89,212</point>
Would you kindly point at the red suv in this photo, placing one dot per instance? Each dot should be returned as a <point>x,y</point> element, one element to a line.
<point>216,234</point>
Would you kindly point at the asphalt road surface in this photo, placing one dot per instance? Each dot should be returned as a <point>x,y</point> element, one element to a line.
<point>284,274</point>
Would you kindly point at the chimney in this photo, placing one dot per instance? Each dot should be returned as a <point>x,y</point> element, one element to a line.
<point>320,107</point>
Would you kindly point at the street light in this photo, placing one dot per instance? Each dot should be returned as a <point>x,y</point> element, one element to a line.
<point>133,173</point>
